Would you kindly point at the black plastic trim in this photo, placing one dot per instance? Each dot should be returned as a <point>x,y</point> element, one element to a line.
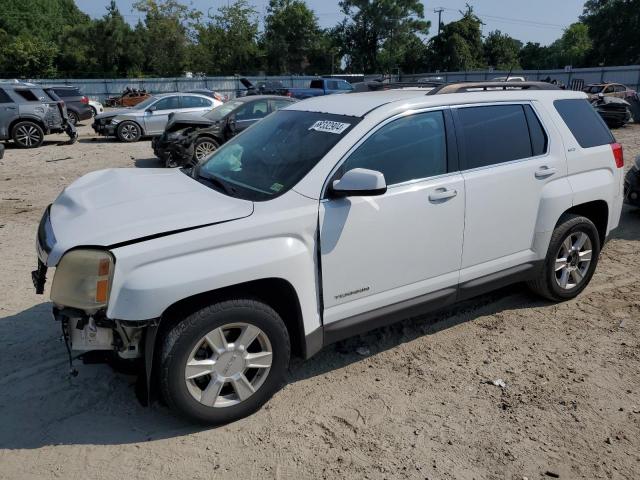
<point>313,342</point>
<point>389,314</point>
<point>493,281</point>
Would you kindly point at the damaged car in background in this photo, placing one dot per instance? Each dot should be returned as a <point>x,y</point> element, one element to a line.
<point>189,139</point>
<point>28,113</point>
<point>150,117</point>
<point>614,111</point>
<point>632,184</point>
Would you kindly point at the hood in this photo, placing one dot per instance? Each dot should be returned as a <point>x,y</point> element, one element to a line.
<point>109,207</point>
<point>115,113</point>
<point>177,120</point>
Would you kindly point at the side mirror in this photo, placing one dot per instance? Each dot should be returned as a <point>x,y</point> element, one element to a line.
<point>359,182</point>
<point>152,109</point>
<point>601,95</point>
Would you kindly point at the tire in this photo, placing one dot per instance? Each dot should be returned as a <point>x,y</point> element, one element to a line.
<point>93,111</point>
<point>27,134</point>
<point>202,148</point>
<point>553,275</point>
<point>73,118</point>
<point>128,131</point>
<point>191,341</point>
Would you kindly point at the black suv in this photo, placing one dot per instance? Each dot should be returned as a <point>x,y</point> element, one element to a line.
<point>28,113</point>
<point>189,139</point>
<point>77,104</point>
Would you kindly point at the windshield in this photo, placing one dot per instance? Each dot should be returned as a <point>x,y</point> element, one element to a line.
<point>219,112</point>
<point>273,155</point>
<point>145,103</point>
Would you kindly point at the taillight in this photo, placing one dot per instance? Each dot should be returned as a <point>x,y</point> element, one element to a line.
<point>84,100</point>
<point>618,155</point>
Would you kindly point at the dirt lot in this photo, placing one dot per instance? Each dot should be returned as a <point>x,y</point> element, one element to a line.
<point>415,401</point>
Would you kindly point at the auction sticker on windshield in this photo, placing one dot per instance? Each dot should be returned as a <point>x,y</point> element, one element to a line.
<point>329,127</point>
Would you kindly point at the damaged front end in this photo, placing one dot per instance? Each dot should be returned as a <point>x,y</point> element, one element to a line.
<point>614,111</point>
<point>175,147</point>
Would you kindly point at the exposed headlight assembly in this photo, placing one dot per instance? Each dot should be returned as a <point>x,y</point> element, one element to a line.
<point>115,121</point>
<point>83,280</point>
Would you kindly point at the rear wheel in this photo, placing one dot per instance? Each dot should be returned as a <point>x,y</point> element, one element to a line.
<point>27,134</point>
<point>93,111</point>
<point>225,361</point>
<point>571,259</point>
<point>128,132</point>
<point>73,117</point>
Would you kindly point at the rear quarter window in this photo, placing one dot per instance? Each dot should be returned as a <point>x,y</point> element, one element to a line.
<point>28,95</point>
<point>4,97</point>
<point>585,124</point>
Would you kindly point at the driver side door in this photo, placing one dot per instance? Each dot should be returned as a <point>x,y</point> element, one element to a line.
<point>385,254</point>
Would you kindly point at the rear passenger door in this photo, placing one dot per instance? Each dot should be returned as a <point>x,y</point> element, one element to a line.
<point>506,163</point>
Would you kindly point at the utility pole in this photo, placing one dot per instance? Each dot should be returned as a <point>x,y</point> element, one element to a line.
<point>439,11</point>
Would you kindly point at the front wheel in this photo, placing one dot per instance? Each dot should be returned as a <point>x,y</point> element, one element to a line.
<point>128,132</point>
<point>73,118</point>
<point>225,361</point>
<point>202,148</point>
<point>571,259</point>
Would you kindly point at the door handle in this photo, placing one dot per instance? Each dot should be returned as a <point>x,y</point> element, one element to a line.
<point>544,172</point>
<point>442,194</point>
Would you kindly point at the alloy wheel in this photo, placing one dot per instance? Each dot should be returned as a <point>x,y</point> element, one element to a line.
<point>573,260</point>
<point>27,135</point>
<point>129,132</point>
<point>204,149</point>
<point>228,365</point>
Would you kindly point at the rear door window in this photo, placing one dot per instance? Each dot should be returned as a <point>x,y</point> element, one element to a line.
<point>67,92</point>
<point>189,101</point>
<point>494,134</point>
<point>585,124</point>
<point>4,97</point>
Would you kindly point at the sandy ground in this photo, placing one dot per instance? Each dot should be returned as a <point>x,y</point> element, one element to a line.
<point>415,400</point>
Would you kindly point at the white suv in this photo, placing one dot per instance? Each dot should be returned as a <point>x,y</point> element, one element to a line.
<point>331,217</point>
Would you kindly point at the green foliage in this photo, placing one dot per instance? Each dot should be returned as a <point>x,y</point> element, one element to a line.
<point>290,36</point>
<point>501,51</point>
<point>53,37</point>
<point>613,28</point>
<point>377,34</point>
<point>229,43</point>
<point>459,45</point>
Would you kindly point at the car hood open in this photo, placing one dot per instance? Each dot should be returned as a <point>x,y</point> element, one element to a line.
<point>116,206</point>
<point>177,121</point>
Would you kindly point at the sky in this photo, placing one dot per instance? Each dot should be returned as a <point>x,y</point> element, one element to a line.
<point>539,21</point>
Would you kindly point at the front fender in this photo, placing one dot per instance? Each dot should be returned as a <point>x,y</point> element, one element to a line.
<point>144,289</point>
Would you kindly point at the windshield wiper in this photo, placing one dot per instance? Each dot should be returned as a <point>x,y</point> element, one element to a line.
<point>220,184</point>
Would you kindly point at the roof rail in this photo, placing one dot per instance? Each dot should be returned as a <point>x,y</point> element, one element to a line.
<point>462,87</point>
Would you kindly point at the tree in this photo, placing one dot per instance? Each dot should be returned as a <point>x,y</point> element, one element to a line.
<point>533,56</point>
<point>613,28</point>
<point>501,51</point>
<point>573,47</point>
<point>169,26</point>
<point>290,34</point>
<point>459,45</point>
<point>27,56</point>
<point>229,43</point>
<point>376,34</point>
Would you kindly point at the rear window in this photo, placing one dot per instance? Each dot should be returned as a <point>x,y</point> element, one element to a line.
<point>67,92</point>
<point>494,134</point>
<point>585,124</point>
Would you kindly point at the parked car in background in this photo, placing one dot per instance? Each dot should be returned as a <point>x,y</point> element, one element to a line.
<point>218,97</point>
<point>609,90</point>
<point>28,113</point>
<point>129,98</point>
<point>329,218</point>
<point>509,79</point>
<point>632,184</point>
<point>261,87</point>
<point>150,117</point>
<point>189,139</point>
<point>318,87</point>
<point>77,104</point>
<point>96,107</point>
